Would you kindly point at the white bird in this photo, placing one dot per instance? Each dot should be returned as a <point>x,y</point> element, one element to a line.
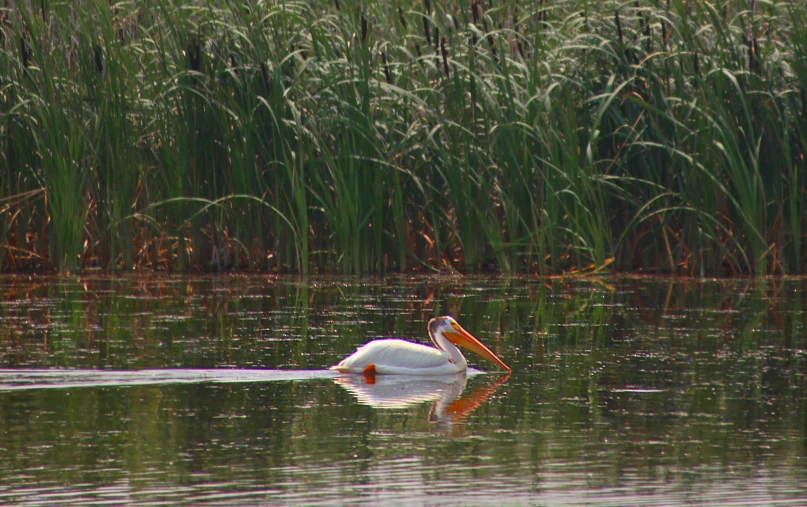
<point>398,357</point>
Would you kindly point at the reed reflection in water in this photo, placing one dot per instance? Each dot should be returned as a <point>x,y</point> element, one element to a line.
<point>624,391</point>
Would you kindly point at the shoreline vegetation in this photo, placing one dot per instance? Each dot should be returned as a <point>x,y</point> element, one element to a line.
<point>340,136</point>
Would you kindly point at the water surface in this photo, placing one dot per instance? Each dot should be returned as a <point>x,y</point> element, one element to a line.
<point>213,390</point>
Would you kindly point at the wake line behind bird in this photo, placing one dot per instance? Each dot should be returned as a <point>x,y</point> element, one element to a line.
<point>19,379</point>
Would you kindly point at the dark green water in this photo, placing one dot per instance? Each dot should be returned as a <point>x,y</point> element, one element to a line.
<point>623,392</point>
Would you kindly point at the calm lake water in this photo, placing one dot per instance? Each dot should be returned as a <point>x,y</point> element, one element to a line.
<point>214,391</point>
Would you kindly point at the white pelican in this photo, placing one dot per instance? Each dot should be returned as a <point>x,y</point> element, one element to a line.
<point>398,357</point>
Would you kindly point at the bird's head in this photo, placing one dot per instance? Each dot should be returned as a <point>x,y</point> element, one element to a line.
<point>451,330</point>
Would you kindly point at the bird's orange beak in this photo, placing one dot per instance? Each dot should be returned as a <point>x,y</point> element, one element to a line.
<point>469,341</point>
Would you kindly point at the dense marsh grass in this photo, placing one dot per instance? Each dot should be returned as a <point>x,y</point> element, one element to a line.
<point>547,137</point>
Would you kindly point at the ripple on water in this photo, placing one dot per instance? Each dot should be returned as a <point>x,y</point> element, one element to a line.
<point>638,393</point>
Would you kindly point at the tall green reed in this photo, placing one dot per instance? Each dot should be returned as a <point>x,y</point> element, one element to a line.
<point>340,136</point>
<point>54,117</point>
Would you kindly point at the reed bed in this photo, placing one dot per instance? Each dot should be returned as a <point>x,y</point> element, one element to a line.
<point>342,136</point>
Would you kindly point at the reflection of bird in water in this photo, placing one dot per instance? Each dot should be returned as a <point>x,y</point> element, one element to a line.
<point>400,357</point>
<point>402,391</point>
<point>454,410</point>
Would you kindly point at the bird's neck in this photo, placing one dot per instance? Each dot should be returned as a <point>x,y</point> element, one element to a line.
<point>451,350</point>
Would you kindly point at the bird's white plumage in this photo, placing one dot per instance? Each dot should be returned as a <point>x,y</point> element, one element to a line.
<point>391,356</point>
<point>399,357</point>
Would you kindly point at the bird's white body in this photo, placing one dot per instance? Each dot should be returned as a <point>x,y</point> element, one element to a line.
<point>391,356</point>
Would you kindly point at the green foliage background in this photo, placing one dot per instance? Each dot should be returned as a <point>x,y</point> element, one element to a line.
<point>345,136</point>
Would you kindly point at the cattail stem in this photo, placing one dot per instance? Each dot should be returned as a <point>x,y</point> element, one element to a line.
<point>363,29</point>
<point>387,73</point>
<point>445,55</point>
<point>99,64</point>
<point>426,29</point>
<point>25,55</point>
